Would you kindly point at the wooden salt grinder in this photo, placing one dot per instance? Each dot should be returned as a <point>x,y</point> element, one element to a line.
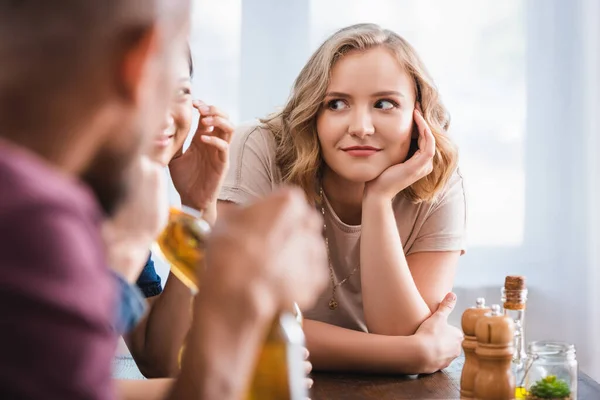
<point>471,366</point>
<point>495,335</point>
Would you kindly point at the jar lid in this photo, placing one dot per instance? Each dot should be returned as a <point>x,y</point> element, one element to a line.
<point>551,349</point>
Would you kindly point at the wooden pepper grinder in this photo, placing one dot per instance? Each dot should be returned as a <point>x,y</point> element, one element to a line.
<point>495,347</point>
<point>471,366</point>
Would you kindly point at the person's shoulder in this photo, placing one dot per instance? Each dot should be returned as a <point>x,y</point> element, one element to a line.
<point>450,200</point>
<point>53,220</point>
<point>254,133</point>
<point>253,143</point>
<point>53,269</point>
<point>453,188</point>
<point>253,171</point>
<point>456,178</point>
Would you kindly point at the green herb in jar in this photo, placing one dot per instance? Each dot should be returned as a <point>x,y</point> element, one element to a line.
<point>550,388</point>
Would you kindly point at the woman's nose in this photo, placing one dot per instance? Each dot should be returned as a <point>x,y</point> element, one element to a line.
<point>361,124</point>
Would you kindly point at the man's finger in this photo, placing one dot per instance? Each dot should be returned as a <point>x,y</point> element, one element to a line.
<point>279,214</point>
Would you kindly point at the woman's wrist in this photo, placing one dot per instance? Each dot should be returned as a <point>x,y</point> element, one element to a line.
<point>194,203</point>
<point>424,352</point>
<point>208,208</point>
<point>373,199</point>
<point>210,213</point>
<point>375,192</point>
<point>407,355</point>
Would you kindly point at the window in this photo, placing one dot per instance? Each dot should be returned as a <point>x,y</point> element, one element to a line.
<point>215,42</point>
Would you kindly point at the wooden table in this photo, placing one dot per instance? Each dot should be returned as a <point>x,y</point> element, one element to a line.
<point>442,385</point>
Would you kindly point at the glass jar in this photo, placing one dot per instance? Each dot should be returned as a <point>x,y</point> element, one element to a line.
<point>551,371</point>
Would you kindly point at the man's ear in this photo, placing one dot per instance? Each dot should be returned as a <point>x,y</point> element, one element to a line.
<point>134,63</point>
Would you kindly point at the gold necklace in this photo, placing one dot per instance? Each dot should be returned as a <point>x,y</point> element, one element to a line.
<point>333,304</point>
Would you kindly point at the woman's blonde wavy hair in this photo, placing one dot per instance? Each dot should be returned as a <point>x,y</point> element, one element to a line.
<point>298,150</point>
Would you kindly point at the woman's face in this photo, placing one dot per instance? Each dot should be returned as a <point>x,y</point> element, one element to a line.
<point>366,120</point>
<point>178,119</point>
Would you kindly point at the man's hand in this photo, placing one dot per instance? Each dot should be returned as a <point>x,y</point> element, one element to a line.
<point>138,221</point>
<point>259,259</point>
<point>272,251</point>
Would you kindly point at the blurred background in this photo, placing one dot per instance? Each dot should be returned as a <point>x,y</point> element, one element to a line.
<point>521,79</point>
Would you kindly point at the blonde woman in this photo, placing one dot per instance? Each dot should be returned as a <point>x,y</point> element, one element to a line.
<point>364,134</point>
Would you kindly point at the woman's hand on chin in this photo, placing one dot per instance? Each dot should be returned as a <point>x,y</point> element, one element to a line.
<point>400,176</point>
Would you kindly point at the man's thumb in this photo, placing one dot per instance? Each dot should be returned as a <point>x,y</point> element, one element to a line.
<point>447,305</point>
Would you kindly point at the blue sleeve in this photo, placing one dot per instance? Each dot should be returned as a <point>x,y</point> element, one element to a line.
<point>132,306</point>
<point>149,281</point>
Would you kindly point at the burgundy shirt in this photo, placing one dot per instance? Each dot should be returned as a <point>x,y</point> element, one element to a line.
<point>57,297</point>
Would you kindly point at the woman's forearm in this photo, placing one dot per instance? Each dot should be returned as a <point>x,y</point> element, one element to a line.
<point>155,344</point>
<point>333,348</point>
<point>391,301</point>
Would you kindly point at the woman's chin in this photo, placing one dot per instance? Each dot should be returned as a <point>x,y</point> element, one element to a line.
<point>356,173</point>
<point>362,177</point>
<point>162,156</point>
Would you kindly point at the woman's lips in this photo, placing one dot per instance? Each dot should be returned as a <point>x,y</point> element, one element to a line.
<point>360,151</point>
<point>163,140</point>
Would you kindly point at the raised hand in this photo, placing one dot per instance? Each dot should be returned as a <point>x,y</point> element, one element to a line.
<point>199,172</point>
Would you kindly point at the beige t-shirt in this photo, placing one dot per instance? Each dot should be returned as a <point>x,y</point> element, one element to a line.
<point>436,226</point>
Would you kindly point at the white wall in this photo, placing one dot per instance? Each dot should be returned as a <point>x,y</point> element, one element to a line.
<point>590,16</point>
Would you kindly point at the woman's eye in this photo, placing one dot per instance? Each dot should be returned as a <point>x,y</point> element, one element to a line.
<point>183,92</point>
<point>337,105</point>
<point>386,104</point>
